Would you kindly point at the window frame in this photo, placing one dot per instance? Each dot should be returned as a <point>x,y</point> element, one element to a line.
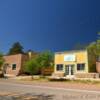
<point>14,67</point>
<point>81,67</point>
<point>59,67</point>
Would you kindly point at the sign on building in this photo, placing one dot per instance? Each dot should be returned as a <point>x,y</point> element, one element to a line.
<point>70,57</point>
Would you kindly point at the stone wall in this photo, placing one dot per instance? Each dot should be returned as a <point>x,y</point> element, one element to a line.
<point>87,75</point>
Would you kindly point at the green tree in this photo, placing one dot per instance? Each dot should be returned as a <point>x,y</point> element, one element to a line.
<point>16,48</point>
<point>36,64</point>
<point>1,64</point>
<point>45,59</point>
<point>98,46</point>
<point>31,67</point>
<point>92,53</point>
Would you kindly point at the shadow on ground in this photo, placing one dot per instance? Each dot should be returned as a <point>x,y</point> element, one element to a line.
<point>27,96</point>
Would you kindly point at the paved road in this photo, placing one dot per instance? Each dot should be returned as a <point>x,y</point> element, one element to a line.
<point>55,93</point>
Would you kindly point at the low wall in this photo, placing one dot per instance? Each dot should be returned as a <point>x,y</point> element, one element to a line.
<point>58,74</point>
<point>87,75</point>
<point>28,77</point>
<point>47,71</point>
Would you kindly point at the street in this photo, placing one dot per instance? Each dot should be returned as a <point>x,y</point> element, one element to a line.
<point>56,93</point>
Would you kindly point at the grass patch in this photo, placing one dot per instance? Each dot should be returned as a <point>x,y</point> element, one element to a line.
<point>47,79</point>
<point>35,78</point>
<point>88,81</point>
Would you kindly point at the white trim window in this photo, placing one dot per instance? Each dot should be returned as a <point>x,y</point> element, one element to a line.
<point>59,67</point>
<point>81,66</point>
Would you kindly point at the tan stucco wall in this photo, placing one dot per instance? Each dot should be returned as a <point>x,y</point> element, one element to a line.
<point>80,57</point>
<point>98,67</point>
<point>17,59</point>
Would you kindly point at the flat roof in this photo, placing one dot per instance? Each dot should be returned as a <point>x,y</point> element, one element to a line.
<point>14,54</point>
<point>71,51</point>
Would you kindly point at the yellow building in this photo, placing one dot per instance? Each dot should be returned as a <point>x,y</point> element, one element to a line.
<point>70,63</point>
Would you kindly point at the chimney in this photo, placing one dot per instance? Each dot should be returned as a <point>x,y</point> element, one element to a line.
<point>30,54</point>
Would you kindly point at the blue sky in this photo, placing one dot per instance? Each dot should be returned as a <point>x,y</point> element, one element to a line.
<point>56,25</point>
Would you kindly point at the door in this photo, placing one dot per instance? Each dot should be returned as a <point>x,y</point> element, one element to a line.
<point>69,69</point>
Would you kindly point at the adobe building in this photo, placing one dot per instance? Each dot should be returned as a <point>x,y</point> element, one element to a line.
<point>74,63</point>
<point>98,66</point>
<point>13,64</point>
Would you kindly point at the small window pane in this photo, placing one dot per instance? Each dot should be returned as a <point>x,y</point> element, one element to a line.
<point>59,67</point>
<point>81,66</point>
<point>13,66</point>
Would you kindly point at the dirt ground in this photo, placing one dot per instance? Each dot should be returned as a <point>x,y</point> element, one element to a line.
<point>28,96</point>
<point>67,85</point>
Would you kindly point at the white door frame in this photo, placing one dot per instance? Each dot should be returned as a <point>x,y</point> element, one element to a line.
<point>69,68</point>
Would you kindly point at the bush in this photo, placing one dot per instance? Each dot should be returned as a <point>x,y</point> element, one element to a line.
<point>31,67</point>
<point>58,79</point>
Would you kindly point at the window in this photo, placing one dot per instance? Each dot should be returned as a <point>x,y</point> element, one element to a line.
<point>59,67</point>
<point>81,66</point>
<point>13,66</point>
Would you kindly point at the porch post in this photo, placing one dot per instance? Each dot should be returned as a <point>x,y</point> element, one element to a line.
<point>69,69</point>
